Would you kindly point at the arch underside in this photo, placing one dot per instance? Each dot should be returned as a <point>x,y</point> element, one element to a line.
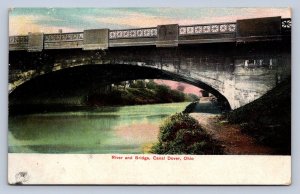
<point>67,81</point>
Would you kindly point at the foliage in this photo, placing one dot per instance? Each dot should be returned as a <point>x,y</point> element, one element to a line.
<point>138,92</point>
<point>163,92</point>
<point>151,85</point>
<point>182,134</point>
<point>138,84</point>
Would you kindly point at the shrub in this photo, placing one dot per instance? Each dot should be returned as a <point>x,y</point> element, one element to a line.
<point>182,134</point>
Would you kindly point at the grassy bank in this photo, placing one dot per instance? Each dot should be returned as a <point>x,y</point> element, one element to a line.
<point>268,118</point>
<point>182,134</point>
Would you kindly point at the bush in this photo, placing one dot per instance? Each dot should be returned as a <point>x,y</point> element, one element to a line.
<point>182,134</point>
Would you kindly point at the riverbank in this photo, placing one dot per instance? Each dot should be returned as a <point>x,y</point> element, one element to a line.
<point>138,93</point>
<point>205,132</point>
<point>260,127</point>
<point>139,96</point>
<point>267,119</point>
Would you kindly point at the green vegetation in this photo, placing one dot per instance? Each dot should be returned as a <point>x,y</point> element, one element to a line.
<point>268,118</point>
<point>139,92</point>
<point>182,134</point>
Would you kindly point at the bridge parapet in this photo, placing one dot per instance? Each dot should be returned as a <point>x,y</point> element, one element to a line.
<point>133,33</point>
<point>63,40</point>
<point>18,42</point>
<point>95,39</point>
<point>160,36</point>
<point>207,28</point>
<point>35,42</point>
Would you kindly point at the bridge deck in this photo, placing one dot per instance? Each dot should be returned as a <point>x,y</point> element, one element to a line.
<point>160,36</point>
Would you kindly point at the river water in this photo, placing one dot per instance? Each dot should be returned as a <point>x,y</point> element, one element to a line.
<point>126,129</point>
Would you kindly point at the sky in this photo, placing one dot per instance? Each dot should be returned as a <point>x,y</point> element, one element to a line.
<point>188,89</point>
<point>50,20</point>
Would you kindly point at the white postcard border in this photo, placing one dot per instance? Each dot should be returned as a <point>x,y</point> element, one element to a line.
<point>95,169</point>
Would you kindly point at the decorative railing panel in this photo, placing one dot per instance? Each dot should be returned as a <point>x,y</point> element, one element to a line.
<point>63,40</point>
<point>18,40</point>
<point>207,28</point>
<point>133,33</point>
<point>286,23</point>
<point>63,37</point>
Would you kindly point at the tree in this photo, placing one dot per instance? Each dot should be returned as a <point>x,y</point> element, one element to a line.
<point>151,85</point>
<point>163,93</point>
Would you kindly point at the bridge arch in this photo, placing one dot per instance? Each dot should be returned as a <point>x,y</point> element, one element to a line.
<point>73,79</point>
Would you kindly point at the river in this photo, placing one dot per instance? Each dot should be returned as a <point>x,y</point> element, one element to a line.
<point>125,129</point>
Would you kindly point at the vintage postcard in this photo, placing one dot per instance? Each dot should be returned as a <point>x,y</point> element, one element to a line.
<point>151,96</point>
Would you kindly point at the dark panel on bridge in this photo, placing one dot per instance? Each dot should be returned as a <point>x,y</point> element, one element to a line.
<point>167,35</point>
<point>253,29</point>
<point>95,39</point>
<point>207,38</point>
<point>35,42</point>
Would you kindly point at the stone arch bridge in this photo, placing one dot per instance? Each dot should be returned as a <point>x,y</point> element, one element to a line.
<point>238,62</point>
